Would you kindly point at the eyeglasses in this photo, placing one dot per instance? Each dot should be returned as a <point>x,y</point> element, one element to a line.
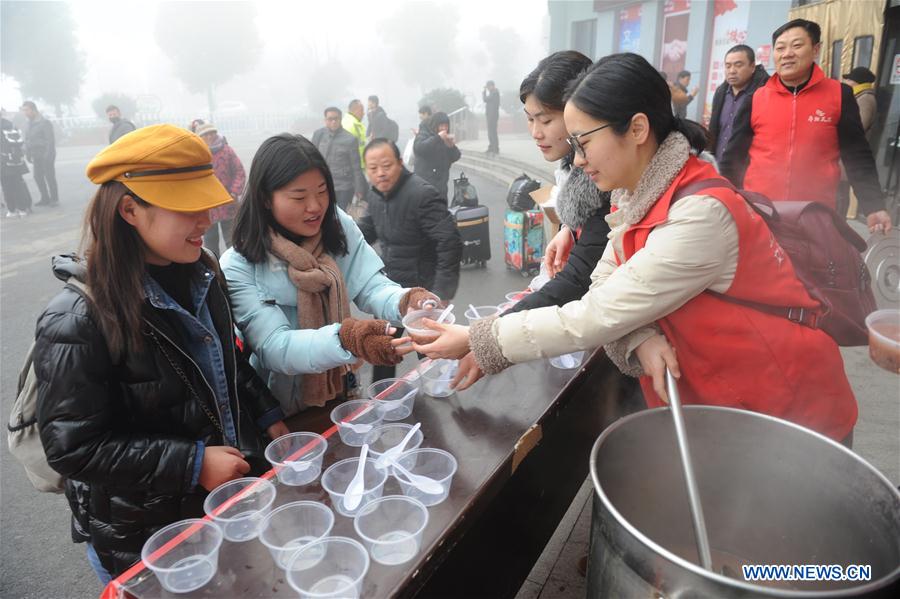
<point>576,145</point>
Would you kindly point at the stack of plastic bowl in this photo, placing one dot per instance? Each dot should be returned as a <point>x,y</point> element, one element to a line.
<point>240,506</point>
<point>337,478</point>
<point>436,378</point>
<point>388,436</point>
<point>395,397</point>
<point>481,313</point>
<point>436,464</point>
<point>356,419</point>
<point>567,361</point>
<point>297,457</point>
<point>186,565</point>
<point>292,526</point>
<point>391,528</point>
<point>333,567</point>
<point>412,322</point>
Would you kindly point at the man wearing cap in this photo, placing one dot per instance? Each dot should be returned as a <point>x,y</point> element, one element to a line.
<point>40,150</point>
<point>147,402</point>
<point>230,172</point>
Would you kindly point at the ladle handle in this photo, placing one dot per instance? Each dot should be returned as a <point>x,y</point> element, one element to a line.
<point>688,467</point>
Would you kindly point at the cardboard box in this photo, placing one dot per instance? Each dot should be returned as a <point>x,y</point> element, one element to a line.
<point>542,198</point>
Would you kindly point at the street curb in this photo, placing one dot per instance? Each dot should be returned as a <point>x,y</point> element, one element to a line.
<point>500,169</point>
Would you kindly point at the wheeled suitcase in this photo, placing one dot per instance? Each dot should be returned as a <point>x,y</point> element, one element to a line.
<point>523,241</point>
<point>474,228</point>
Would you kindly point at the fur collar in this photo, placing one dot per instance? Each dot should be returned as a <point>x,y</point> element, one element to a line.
<point>665,165</point>
<point>579,199</point>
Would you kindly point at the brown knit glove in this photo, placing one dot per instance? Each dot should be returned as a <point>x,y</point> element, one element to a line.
<point>367,339</point>
<point>413,299</point>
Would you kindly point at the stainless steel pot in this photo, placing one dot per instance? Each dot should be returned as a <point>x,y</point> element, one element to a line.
<point>772,492</point>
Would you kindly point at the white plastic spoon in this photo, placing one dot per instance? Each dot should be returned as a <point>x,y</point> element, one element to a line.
<point>388,405</point>
<point>360,428</point>
<point>391,454</point>
<point>423,483</point>
<point>474,311</point>
<point>298,465</point>
<point>445,314</point>
<point>357,487</point>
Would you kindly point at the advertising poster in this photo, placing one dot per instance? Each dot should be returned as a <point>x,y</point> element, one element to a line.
<point>676,14</point>
<point>629,29</point>
<point>730,19</point>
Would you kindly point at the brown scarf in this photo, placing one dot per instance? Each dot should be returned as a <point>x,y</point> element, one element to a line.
<point>321,300</point>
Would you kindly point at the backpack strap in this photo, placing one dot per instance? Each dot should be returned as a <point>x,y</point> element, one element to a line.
<point>802,316</point>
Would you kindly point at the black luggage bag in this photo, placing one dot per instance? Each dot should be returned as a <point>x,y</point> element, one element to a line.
<point>474,227</point>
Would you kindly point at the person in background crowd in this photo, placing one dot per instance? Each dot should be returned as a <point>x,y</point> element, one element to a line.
<point>742,77</point>
<point>435,150</point>
<point>681,97</point>
<point>648,290</point>
<point>424,112</point>
<point>379,123</point>
<point>862,81</point>
<point>40,150</point>
<point>120,126</point>
<point>230,172</point>
<point>352,123</point>
<point>145,403</point>
<point>12,169</point>
<point>296,264</point>
<point>339,149</point>
<point>491,97</point>
<point>789,140</point>
<point>194,124</point>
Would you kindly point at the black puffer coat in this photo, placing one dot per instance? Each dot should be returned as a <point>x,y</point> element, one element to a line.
<point>420,244</point>
<point>433,158</point>
<point>125,435</point>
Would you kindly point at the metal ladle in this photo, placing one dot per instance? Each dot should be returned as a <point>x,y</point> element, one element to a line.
<point>689,479</point>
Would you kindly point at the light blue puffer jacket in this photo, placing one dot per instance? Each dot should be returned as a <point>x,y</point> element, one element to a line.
<point>264,302</point>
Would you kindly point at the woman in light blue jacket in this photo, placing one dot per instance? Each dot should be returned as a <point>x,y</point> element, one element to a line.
<point>296,263</point>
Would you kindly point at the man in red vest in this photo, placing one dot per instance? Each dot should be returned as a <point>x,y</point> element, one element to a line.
<point>789,141</point>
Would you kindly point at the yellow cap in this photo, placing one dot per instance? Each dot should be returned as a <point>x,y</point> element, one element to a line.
<point>164,165</point>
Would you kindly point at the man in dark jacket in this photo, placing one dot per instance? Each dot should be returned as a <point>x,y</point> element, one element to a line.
<point>339,149</point>
<point>491,96</point>
<point>742,78</point>
<point>120,126</point>
<point>379,123</point>
<point>40,150</point>
<point>420,244</point>
<point>790,139</point>
<point>435,150</point>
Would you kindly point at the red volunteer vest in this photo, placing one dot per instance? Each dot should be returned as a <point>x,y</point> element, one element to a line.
<point>738,357</point>
<point>795,154</point>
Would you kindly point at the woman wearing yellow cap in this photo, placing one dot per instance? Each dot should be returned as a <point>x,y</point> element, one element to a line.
<point>145,402</point>
<point>296,263</point>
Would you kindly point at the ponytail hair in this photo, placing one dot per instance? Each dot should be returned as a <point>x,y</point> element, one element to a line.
<point>620,86</point>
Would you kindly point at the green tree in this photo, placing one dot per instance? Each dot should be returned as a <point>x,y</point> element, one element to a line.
<point>422,35</point>
<point>40,51</point>
<point>127,104</point>
<point>208,42</point>
<point>443,99</point>
<point>328,85</point>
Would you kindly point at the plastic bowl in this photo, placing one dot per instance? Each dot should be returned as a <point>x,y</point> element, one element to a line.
<point>356,419</point>
<point>240,521</point>
<point>516,296</point>
<point>433,463</point>
<point>412,322</point>
<point>189,564</point>
<point>292,526</point>
<point>389,435</point>
<point>297,457</point>
<point>483,313</point>
<point>337,478</point>
<point>333,567</point>
<point>884,338</point>
<point>391,528</point>
<point>567,361</point>
<point>395,397</point>
<point>437,378</point>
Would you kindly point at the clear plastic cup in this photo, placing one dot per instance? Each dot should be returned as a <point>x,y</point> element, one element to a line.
<point>395,397</point>
<point>506,306</point>
<point>337,478</point>
<point>567,361</point>
<point>436,464</point>
<point>241,519</point>
<point>437,378</point>
<point>884,338</point>
<point>292,526</point>
<point>297,457</point>
<point>188,564</point>
<point>365,417</point>
<point>481,313</point>
<point>388,436</point>
<point>333,567</point>
<point>412,322</point>
<point>516,296</point>
<point>391,528</point>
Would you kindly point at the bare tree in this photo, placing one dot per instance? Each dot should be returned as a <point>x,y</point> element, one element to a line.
<point>422,35</point>
<point>208,42</point>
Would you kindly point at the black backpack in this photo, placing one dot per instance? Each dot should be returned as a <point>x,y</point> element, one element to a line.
<point>518,198</point>
<point>464,193</point>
